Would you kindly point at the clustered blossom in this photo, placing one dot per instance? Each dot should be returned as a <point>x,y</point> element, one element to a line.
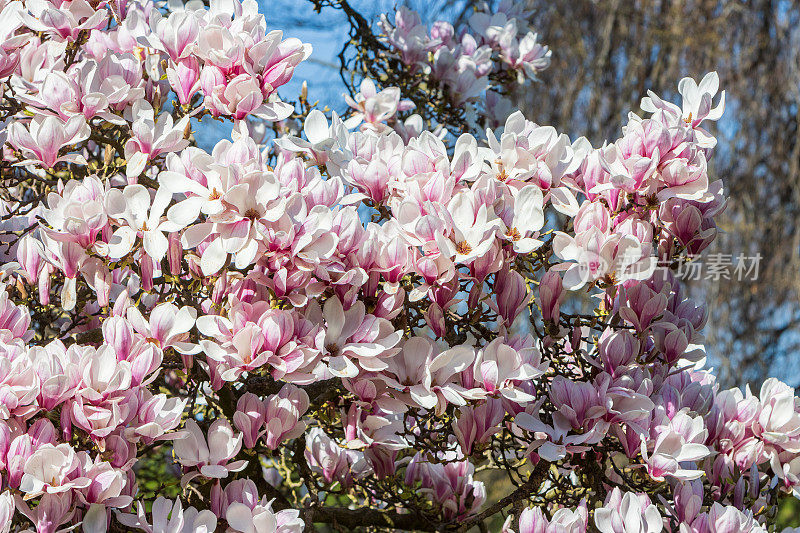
<point>363,307</point>
<point>495,48</point>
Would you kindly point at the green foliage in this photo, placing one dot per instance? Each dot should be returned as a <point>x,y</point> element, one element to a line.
<point>789,513</point>
<point>158,475</point>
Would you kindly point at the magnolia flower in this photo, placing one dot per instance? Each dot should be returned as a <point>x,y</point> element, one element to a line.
<point>237,97</point>
<point>77,213</point>
<point>628,513</point>
<point>724,519</point>
<point>251,203</point>
<point>168,326</point>
<point>107,484</point>
<point>211,456</point>
<point>680,440</point>
<point>138,216</point>
<point>476,425</point>
<point>407,35</point>
<point>553,443</point>
<point>565,520</point>
<point>530,57</point>
<point>282,415</point>
<point>262,519</point>
<point>80,93</point>
<point>612,259</point>
<point>184,78</point>
<point>697,100</point>
<point>249,418</point>
<point>526,152</point>
<point>332,461</point>
<point>528,218</point>
<point>19,382</point>
<point>45,136</point>
<point>152,136</point>
<point>201,197</point>
<point>256,335</point>
<point>175,34</point>
<point>449,483</point>
<point>102,375</point>
<point>498,366</point>
<point>58,370</point>
<point>52,511</point>
<point>156,416</point>
<point>169,517</point>
<point>53,469</point>
<point>65,22</point>
<point>353,337</point>
<point>373,107</point>
<point>321,139</point>
<point>473,229</point>
<point>6,511</point>
<point>409,371</point>
<point>779,419</point>
<point>445,369</point>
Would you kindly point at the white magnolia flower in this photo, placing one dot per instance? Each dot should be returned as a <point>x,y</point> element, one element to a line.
<point>139,216</point>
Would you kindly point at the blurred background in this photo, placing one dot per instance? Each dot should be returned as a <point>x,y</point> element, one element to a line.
<point>606,55</point>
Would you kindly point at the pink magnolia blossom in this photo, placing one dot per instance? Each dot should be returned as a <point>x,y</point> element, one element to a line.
<point>282,415</point>
<point>210,455</point>
<point>475,426</point>
<point>184,77</point>
<point>352,337</point>
<point>262,519</point>
<point>152,136</point>
<point>59,372</point>
<point>373,107</point>
<point>499,366</point>
<point>322,140</point>
<point>565,520</point>
<point>249,418</point>
<point>157,415</point>
<point>6,511</point>
<point>474,228</point>
<point>168,517</point>
<point>451,484</point>
<point>45,136</point>
<point>408,35</point>
<point>628,512</point>
<point>77,213</point>
<point>52,470</point>
<point>175,34</point>
<point>65,22</point>
<point>256,335</point>
<point>678,441</point>
<point>724,519</point>
<point>611,258</point>
<point>52,511</point>
<point>332,461</point>
<point>19,382</point>
<point>168,326</point>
